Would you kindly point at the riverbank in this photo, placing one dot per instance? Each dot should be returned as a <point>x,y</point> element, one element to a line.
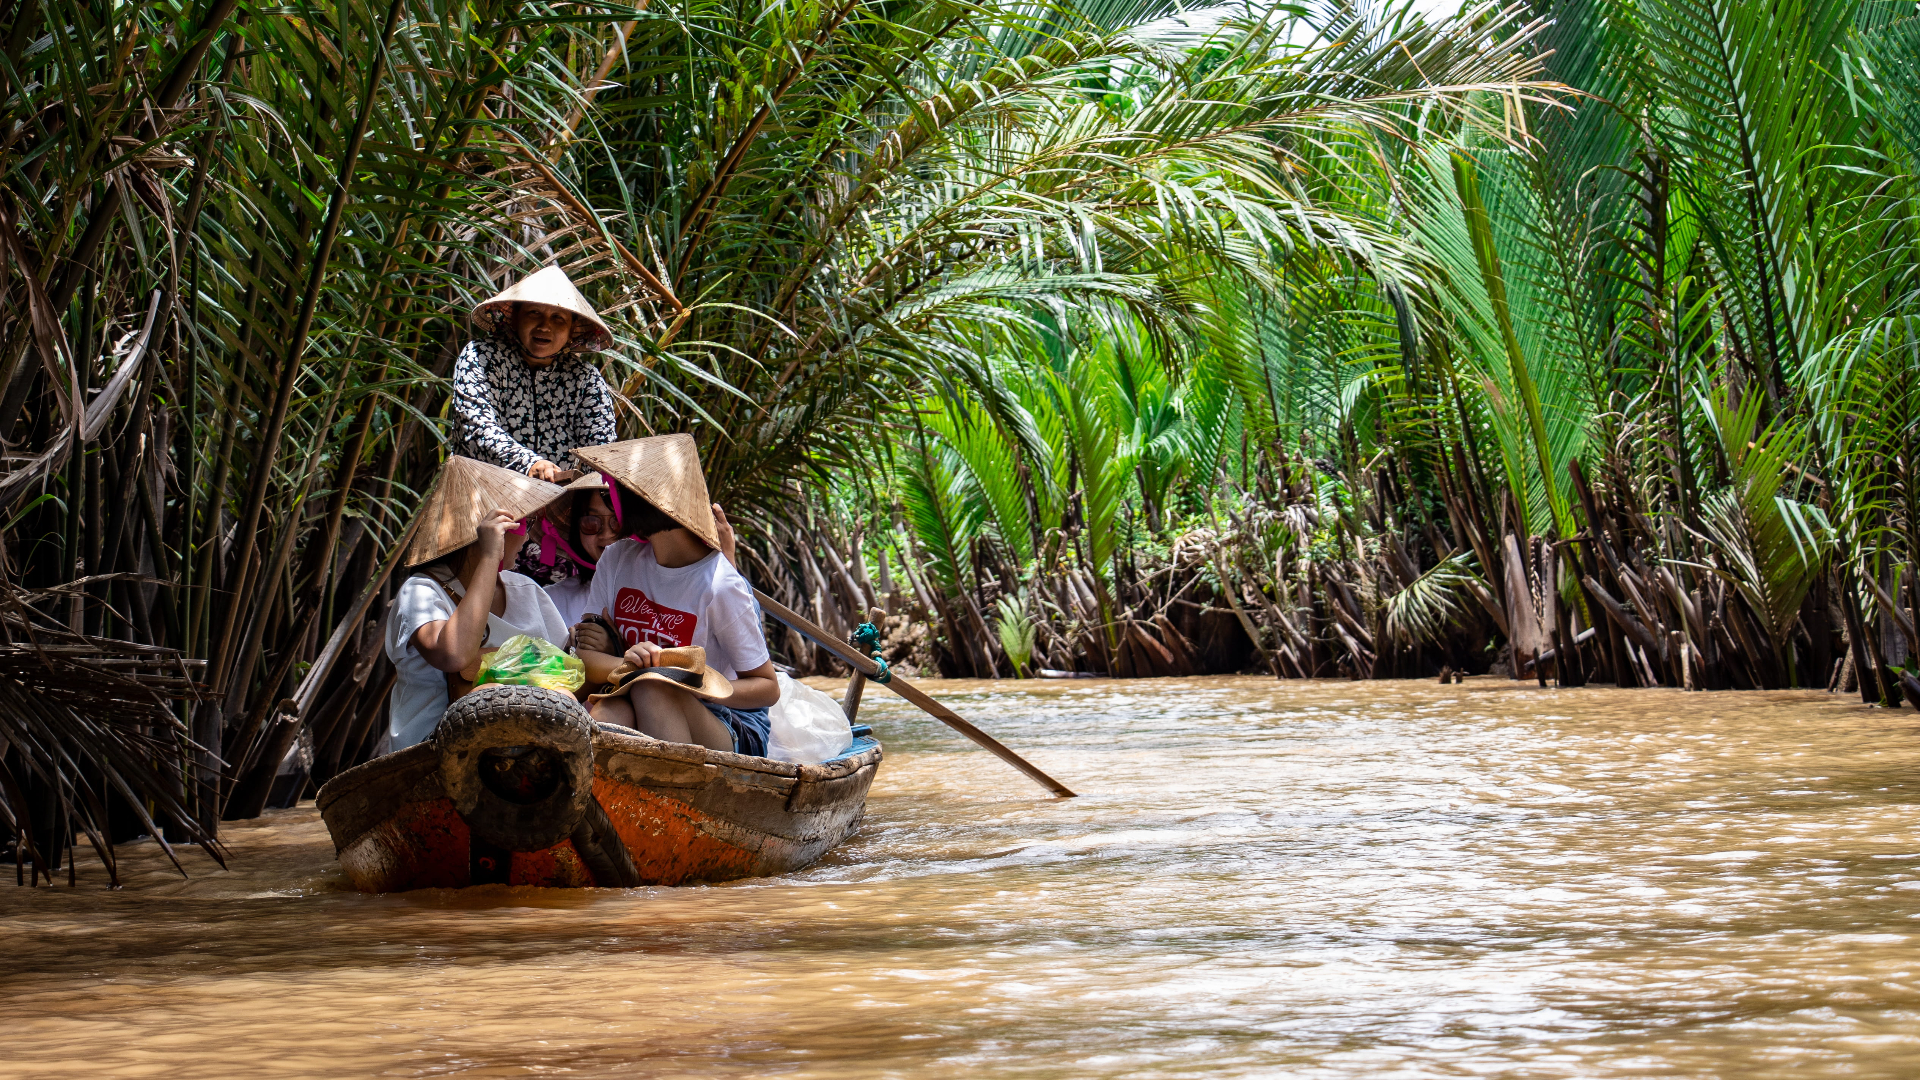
<point>1261,879</point>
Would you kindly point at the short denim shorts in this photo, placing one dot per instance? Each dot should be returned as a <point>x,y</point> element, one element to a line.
<point>750,728</point>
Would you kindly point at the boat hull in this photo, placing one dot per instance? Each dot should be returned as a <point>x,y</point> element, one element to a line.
<point>683,814</point>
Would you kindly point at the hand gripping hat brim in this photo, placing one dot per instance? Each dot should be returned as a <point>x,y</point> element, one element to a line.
<point>683,669</point>
<point>665,471</point>
<point>464,493</point>
<point>550,286</point>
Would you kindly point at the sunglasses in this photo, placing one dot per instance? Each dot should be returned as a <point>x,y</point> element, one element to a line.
<point>593,524</point>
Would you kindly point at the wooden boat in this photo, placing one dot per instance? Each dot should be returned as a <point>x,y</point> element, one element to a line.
<point>519,786</point>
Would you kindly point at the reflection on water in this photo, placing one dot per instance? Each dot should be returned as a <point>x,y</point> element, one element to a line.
<point>1261,879</point>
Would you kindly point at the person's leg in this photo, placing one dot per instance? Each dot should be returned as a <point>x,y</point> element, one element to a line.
<point>708,730</point>
<point>674,716</point>
<point>612,711</point>
<point>654,717</point>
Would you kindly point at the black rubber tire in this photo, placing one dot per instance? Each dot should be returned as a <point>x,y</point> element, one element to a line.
<point>508,716</point>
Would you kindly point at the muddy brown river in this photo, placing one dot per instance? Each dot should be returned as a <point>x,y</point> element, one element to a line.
<point>1260,880</point>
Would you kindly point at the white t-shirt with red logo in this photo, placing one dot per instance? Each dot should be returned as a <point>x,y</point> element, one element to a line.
<point>707,604</point>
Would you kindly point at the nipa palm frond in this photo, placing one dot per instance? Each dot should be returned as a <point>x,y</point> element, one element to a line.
<point>1774,547</point>
<point>1016,631</point>
<point>1425,609</point>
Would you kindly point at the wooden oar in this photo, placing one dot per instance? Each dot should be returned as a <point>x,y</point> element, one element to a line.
<point>905,689</point>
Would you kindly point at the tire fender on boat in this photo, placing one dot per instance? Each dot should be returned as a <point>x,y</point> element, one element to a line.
<point>517,761</point>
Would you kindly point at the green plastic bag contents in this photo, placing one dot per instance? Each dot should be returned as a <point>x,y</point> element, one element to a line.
<point>523,660</point>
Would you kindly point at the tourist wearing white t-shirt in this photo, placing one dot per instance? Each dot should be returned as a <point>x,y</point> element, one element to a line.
<point>461,599</point>
<point>673,591</point>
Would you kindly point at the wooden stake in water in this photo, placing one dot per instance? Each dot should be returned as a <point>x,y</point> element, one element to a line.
<point>865,666</point>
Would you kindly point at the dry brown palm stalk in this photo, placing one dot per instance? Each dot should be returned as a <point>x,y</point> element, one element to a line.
<point>85,721</point>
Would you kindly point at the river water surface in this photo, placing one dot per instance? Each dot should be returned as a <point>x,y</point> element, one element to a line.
<point>1260,879</point>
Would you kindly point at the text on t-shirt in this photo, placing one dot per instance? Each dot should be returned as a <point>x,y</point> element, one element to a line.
<point>640,619</point>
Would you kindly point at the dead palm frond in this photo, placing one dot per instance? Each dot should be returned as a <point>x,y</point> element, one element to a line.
<point>90,720</point>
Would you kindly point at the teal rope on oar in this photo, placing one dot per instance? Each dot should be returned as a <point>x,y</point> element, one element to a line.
<point>867,636</point>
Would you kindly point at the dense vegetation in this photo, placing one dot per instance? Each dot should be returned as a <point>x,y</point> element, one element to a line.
<point>1573,337</point>
<point>1626,388</point>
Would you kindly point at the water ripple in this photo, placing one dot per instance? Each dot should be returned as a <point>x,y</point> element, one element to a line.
<point>1261,880</point>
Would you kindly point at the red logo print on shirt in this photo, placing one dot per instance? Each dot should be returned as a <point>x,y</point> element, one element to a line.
<point>640,619</point>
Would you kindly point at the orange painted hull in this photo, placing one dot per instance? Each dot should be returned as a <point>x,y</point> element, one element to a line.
<point>684,814</point>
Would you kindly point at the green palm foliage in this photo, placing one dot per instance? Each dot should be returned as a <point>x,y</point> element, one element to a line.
<point>878,191</point>
<point>1533,403</point>
<point>1724,214</point>
<point>1017,631</point>
<point>992,469</point>
<point>1754,102</point>
<point>1432,603</point>
<point>1773,546</point>
<point>1105,459</point>
<point>941,510</point>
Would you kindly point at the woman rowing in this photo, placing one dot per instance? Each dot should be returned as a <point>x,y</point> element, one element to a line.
<point>523,393</point>
<point>461,599</point>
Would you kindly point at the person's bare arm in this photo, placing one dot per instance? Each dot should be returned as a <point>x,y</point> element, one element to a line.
<point>755,689</point>
<point>454,644</point>
<point>599,665</point>
<point>595,648</point>
<point>590,635</point>
<point>729,544</point>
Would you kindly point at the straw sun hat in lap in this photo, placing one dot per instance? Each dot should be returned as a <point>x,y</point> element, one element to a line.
<point>464,493</point>
<point>665,471</point>
<point>683,669</point>
<point>553,288</point>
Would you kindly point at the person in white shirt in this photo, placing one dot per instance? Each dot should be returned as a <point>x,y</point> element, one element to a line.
<point>675,589</point>
<point>461,599</point>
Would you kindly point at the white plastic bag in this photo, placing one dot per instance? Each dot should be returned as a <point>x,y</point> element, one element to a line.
<point>808,725</point>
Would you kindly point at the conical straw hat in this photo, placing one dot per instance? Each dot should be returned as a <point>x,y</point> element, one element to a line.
<point>665,471</point>
<point>550,286</point>
<point>465,492</point>
<point>563,502</point>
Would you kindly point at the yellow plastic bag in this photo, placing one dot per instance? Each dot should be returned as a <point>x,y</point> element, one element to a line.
<point>523,660</point>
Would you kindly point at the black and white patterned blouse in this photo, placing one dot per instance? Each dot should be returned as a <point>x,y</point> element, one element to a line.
<point>508,413</point>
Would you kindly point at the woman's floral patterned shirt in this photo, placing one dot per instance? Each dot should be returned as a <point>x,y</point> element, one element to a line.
<point>511,414</point>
